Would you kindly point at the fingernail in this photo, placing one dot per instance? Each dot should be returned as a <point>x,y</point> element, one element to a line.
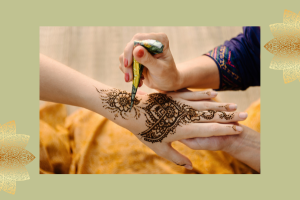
<point>239,129</point>
<point>213,93</point>
<point>125,62</point>
<point>140,84</point>
<point>232,106</point>
<point>140,53</point>
<point>243,115</point>
<point>126,77</point>
<point>189,167</point>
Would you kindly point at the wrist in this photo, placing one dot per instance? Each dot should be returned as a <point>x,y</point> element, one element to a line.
<point>181,82</point>
<point>245,147</point>
<point>231,146</point>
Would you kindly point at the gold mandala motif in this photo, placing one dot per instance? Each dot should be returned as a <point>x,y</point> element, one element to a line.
<point>13,157</point>
<point>286,46</point>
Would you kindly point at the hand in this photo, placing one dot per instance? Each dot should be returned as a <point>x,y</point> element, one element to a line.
<point>159,119</point>
<point>160,71</point>
<point>244,147</point>
<point>156,119</point>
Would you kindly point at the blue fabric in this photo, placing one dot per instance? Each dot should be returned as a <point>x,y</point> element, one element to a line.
<point>246,51</point>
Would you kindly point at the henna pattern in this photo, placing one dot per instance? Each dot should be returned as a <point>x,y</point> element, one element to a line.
<point>118,102</point>
<point>180,164</point>
<point>208,93</point>
<point>233,127</point>
<point>163,115</point>
<point>225,116</point>
<point>226,106</point>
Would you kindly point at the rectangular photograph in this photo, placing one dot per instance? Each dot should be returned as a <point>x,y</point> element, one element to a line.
<point>150,100</point>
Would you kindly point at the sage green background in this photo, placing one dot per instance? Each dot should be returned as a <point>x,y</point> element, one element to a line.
<point>19,83</point>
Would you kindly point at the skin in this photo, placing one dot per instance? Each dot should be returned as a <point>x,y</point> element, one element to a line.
<point>244,147</point>
<point>61,84</point>
<point>201,72</point>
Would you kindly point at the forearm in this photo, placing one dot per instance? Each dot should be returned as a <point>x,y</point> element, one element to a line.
<point>61,84</point>
<point>201,72</point>
<point>246,147</point>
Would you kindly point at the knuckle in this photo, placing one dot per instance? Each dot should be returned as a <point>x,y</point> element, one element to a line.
<point>164,36</point>
<point>120,67</point>
<point>138,35</point>
<point>121,58</point>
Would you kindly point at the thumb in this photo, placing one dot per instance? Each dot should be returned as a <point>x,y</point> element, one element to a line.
<point>171,154</point>
<point>145,58</point>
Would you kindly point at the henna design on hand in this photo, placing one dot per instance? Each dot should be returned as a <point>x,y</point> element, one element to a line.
<point>225,116</point>
<point>164,115</point>
<point>208,93</point>
<point>233,127</point>
<point>226,106</point>
<point>118,102</point>
<point>180,164</point>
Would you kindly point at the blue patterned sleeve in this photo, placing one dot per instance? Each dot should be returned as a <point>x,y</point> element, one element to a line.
<point>238,60</point>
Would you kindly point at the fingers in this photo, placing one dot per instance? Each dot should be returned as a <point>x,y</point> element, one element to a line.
<point>218,116</point>
<point>121,65</point>
<point>162,37</point>
<point>168,152</point>
<point>209,105</point>
<point>129,48</point>
<point>192,96</point>
<point>128,74</point>
<point>215,143</point>
<point>206,130</point>
<point>145,58</point>
<point>140,83</point>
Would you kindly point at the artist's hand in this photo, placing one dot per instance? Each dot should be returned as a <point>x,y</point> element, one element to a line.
<point>244,147</point>
<point>159,119</point>
<point>160,71</point>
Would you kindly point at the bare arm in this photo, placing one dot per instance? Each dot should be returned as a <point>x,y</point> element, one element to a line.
<point>201,72</point>
<point>155,119</point>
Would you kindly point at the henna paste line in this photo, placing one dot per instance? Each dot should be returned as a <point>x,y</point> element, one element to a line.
<point>226,107</point>
<point>208,93</point>
<point>226,116</point>
<point>233,127</point>
<point>180,164</point>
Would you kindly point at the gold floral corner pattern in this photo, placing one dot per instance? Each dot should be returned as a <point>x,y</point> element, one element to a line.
<point>286,46</point>
<point>13,157</point>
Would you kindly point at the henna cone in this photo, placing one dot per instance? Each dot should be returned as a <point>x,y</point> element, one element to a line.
<point>154,47</point>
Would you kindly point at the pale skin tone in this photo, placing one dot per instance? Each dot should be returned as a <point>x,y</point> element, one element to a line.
<point>61,84</point>
<point>161,73</point>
